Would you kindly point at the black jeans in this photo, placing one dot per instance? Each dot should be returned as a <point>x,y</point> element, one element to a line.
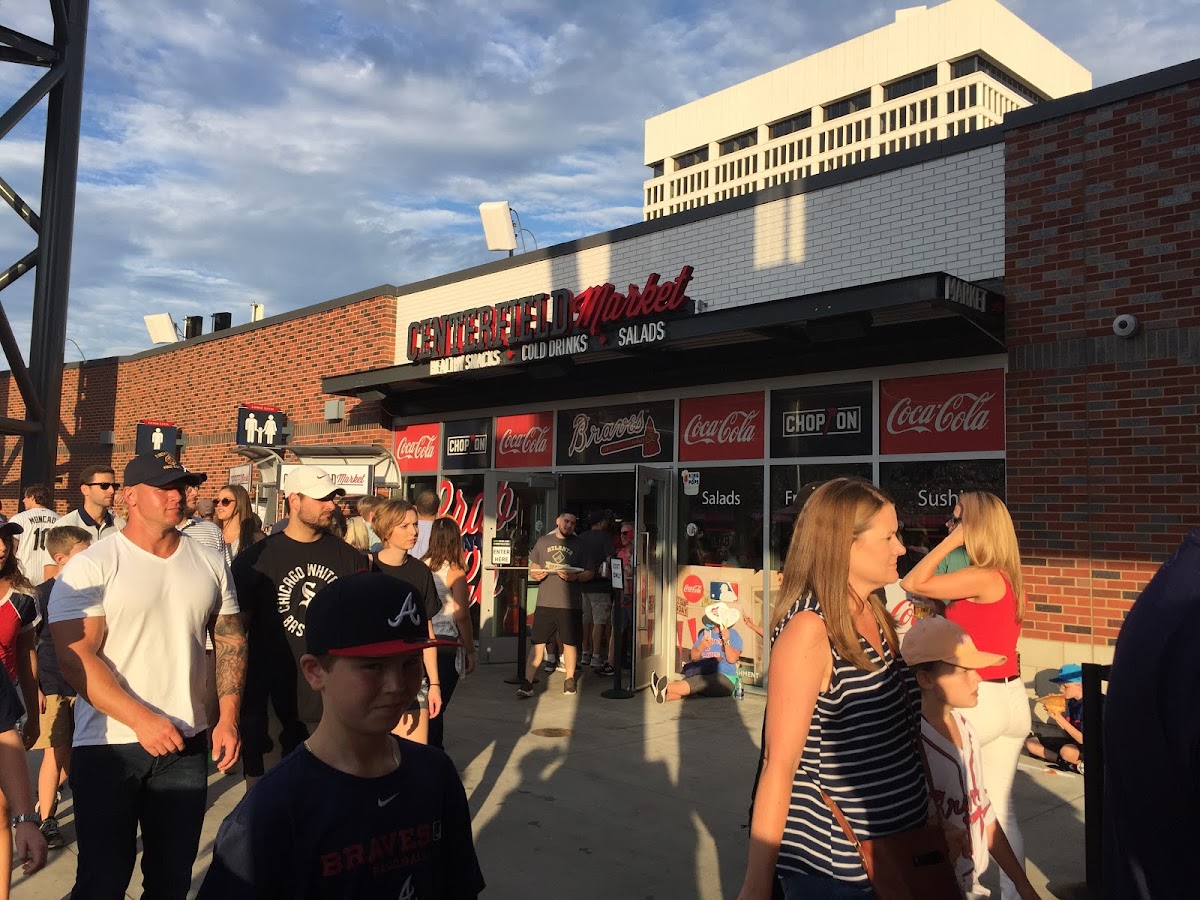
<point>116,788</point>
<point>448,678</point>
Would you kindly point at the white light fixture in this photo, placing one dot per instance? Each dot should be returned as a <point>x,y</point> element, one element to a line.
<point>162,328</point>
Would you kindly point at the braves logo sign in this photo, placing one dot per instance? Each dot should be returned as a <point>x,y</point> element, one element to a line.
<point>627,433</point>
<point>469,519</point>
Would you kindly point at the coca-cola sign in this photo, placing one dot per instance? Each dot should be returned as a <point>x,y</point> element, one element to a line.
<point>942,413</point>
<point>416,448</point>
<point>717,428</point>
<point>606,435</point>
<point>525,441</point>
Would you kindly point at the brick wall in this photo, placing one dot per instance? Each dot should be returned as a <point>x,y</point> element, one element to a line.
<point>199,385</point>
<point>1103,466</point>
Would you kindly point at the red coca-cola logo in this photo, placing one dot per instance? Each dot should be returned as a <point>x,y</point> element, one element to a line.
<point>415,448</point>
<point>525,441</point>
<point>692,589</point>
<point>942,413</point>
<point>726,427</point>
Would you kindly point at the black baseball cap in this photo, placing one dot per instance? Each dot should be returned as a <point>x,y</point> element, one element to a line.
<point>158,469</point>
<point>368,615</point>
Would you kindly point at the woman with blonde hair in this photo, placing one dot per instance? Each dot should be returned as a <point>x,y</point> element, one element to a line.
<point>987,599</point>
<point>358,535</point>
<point>446,562</point>
<point>236,518</point>
<point>842,708</point>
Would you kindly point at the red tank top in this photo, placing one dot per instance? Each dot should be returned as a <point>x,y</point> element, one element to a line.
<point>993,627</point>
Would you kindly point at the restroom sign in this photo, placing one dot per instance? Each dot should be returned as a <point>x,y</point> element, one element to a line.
<point>261,426</point>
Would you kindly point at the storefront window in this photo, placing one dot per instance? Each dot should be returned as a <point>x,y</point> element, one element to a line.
<point>460,497</point>
<point>786,482</point>
<point>720,555</point>
<point>926,491</point>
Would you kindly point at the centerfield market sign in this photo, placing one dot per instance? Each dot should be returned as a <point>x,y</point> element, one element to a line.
<point>540,326</point>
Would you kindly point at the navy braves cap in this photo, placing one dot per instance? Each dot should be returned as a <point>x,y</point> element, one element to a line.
<point>368,614</point>
<point>159,469</point>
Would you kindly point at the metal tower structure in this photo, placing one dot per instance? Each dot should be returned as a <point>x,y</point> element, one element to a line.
<point>40,382</point>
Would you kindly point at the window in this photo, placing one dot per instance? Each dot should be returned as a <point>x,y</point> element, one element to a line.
<point>656,169</point>
<point>978,64</point>
<point>693,158</point>
<point>797,122</point>
<point>911,84</point>
<point>850,105</point>
<point>741,142</point>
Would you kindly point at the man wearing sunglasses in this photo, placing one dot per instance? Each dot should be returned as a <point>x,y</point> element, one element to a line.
<point>99,486</point>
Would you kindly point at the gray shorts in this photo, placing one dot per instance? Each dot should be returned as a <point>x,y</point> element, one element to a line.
<point>597,608</point>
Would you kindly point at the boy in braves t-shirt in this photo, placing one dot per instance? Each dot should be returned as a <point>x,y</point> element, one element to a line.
<point>355,812</point>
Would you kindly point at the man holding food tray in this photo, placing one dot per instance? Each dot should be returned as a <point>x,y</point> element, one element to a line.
<point>556,563</point>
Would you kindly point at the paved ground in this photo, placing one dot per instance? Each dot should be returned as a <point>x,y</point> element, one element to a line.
<point>638,801</point>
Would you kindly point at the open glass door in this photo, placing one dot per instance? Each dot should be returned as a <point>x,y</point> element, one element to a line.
<point>519,507</point>
<point>653,527</point>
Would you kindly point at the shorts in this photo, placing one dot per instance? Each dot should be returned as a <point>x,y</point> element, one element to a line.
<point>58,722</point>
<point>421,701</point>
<point>597,608</point>
<point>714,685</point>
<point>566,623</point>
<point>1055,744</point>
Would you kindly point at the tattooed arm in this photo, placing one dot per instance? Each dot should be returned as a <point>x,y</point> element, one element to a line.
<point>229,643</point>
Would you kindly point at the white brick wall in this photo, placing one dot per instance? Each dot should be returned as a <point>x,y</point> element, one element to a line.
<point>945,215</point>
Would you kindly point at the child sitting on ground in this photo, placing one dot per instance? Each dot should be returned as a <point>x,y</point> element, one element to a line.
<point>1065,752</point>
<point>356,811</point>
<point>944,660</point>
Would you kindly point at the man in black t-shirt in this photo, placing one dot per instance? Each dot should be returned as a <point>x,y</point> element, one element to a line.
<point>276,580</point>
<point>556,563</point>
<point>355,813</point>
<point>597,544</point>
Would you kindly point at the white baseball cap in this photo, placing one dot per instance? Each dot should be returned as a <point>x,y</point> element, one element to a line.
<point>313,481</point>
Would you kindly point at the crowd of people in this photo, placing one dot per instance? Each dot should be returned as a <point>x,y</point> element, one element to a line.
<point>141,649</point>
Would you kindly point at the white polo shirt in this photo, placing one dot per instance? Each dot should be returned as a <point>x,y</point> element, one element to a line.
<point>156,614</point>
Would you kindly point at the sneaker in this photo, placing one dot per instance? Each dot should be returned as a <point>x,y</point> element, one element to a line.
<point>606,670</point>
<point>569,686</point>
<point>54,838</point>
<point>585,659</point>
<point>560,666</point>
<point>658,686</point>
<point>1077,768</point>
<point>525,690</point>
<point>550,663</point>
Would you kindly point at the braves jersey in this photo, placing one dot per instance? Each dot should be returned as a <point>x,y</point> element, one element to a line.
<point>311,832</point>
<point>18,614</point>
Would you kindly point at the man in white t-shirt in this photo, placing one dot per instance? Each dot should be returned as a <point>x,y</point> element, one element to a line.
<point>129,616</point>
<point>35,520</point>
<point>426,505</point>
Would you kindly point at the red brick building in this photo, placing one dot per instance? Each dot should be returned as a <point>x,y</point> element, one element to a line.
<point>1000,256</point>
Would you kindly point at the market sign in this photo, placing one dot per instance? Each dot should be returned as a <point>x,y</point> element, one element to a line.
<point>961,412</point>
<point>547,325</point>
<point>416,448</point>
<point>351,479</point>
<point>524,441</point>
<point>717,428</point>
<point>607,435</point>
<point>467,444</point>
<point>829,420</point>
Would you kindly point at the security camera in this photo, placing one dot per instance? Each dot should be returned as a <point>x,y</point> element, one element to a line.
<point>1125,326</point>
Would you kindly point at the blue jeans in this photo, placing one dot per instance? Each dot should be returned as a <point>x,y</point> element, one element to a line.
<point>805,886</point>
<point>116,788</point>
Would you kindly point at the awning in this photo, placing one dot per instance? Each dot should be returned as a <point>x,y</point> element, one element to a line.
<point>922,317</point>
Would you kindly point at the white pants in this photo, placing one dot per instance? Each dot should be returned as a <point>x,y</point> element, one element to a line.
<point>1002,722</point>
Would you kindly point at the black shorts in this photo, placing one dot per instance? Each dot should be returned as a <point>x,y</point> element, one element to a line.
<point>714,685</point>
<point>1055,744</point>
<point>566,623</point>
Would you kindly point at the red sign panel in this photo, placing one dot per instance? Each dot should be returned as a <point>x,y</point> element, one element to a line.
<point>942,413</point>
<point>525,441</point>
<point>728,427</point>
<point>416,448</point>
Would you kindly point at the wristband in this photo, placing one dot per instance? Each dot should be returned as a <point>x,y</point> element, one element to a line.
<point>31,817</point>
<point>435,684</point>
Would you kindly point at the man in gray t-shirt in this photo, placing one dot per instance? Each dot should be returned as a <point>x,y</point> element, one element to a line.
<point>556,563</point>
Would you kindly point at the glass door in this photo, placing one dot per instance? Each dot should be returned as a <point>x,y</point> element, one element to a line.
<point>519,507</point>
<point>653,528</point>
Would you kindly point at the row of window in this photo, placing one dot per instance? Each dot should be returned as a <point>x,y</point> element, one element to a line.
<point>850,133</point>
<point>978,64</point>
<point>741,142</point>
<point>738,168</point>
<point>908,114</point>
<point>787,153</point>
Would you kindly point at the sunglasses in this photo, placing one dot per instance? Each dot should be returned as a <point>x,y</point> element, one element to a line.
<point>954,520</point>
<point>625,533</point>
<point>104,485</point>
<point>225,501</point>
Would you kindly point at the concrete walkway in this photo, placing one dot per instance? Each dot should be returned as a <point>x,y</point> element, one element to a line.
<point>578,796</point>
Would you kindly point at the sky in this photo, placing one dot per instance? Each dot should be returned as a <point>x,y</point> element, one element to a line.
<point>289,152</point>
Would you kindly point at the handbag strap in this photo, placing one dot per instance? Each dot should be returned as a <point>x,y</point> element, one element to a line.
<point>846,829</point>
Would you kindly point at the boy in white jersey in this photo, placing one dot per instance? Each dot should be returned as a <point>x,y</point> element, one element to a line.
<point>944,660</point>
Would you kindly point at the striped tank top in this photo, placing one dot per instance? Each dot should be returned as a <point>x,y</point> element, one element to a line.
<point>861,749</point>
